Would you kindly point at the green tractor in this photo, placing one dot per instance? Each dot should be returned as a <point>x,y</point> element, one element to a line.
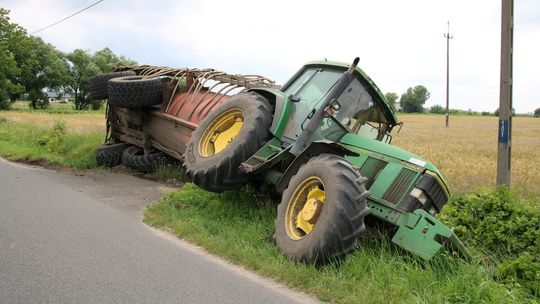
<point>322,142</point>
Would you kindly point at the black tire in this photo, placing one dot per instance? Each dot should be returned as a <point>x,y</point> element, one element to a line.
<point>135,158</point>
<point>220,171</point>
<point>98,84</point>
<point>135,91</point>
<point>110,154</point>
<point>336,225</point>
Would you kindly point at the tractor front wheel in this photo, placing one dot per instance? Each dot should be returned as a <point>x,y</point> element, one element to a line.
<point>321,214</point>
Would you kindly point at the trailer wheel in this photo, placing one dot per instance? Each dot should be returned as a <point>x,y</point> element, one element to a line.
<point>98,83</point>
<point>225,138</point>
<point>135,158</point>
<point>135,91</point>
<point>321,214</point>
<point>110,154</point>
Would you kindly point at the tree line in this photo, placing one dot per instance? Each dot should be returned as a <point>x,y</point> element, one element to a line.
<point>413,100</point>
<point>29,66</point>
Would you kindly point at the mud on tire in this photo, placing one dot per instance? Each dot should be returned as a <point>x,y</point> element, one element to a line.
<point>339,222</point>
<point>98,83</point>
<point>219,171</point>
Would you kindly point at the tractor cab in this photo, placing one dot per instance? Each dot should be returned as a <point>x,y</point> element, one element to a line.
<point>360,108</point>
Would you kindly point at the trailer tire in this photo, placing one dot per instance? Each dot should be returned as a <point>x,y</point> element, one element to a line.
<point>134,157</point>
<point>110,154</point>
<point>135,92</point>
<point>321,214</point>
<point>98,83</point>
<point>225,138</point>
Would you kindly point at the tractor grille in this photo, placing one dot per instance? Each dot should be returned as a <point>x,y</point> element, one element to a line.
<point>400,186</point>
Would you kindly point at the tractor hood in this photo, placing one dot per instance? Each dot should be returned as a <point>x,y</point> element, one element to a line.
<point>352,140</point>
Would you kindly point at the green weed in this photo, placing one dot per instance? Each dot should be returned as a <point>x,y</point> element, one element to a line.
<point>55,146</point>
<point>239,226</point>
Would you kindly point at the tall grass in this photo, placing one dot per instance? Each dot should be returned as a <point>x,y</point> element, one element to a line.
<point>33,143</point>
<point>239,226</point>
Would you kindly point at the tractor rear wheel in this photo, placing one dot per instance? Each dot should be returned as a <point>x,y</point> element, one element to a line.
<point>225,138</point>
<point>321,214</point>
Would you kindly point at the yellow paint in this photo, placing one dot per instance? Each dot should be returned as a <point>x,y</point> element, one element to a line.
<point>221,132</point>
<point>304,208</point>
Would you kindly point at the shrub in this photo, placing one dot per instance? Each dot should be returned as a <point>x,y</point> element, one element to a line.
<point>537,112</point>
<point>437,109</point>
<point>56,136</point>
<point>507,235</point>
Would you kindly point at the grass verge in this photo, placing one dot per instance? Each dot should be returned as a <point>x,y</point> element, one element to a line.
<point>238,226</point>
<point>51,146</point>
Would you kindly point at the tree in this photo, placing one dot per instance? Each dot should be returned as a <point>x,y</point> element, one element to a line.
<point>42,66</point>
<point>413,99</point>
<point>392,98</point>
<point>496,113</point>
<point>81,67</point>
<point>537,112</point>
<point>106,60</point>
<point>27,64</point>
<point>8,65</point>
<point>437,109</point>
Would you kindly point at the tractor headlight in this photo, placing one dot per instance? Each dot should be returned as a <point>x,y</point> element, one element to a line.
<point>420,195</point>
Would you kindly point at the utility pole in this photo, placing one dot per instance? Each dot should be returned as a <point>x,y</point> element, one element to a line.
<point>505,97</point>
<point>448,37</point>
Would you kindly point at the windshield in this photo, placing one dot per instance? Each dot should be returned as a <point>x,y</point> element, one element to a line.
<point>308,90</point>
<point>359,113</point>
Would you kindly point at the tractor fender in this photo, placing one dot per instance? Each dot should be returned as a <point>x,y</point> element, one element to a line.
<point>315,148</point>
<point>277,100</point>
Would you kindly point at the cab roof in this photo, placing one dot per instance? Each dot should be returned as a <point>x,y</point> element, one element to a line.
<point>367,80</point>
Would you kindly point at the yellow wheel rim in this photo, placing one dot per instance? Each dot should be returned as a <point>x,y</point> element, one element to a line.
<point>221,132</point>
<point>304,208</point>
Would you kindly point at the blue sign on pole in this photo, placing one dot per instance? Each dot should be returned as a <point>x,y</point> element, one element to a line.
<point>503,131</point>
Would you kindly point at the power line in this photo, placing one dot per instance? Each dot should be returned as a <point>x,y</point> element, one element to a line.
<point>64,19</point>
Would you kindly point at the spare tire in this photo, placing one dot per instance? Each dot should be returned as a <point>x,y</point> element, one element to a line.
<point>225,138</point>
<point>135,158</point>
<point>98,83</point>
<point>135,91</point>
<point>110,154</point>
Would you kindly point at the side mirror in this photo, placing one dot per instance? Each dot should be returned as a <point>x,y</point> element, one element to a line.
<point>334,106</point>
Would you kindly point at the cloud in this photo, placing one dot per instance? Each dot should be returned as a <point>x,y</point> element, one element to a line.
<point>400,43</point>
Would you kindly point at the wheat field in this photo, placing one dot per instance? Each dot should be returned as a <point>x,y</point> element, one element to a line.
<point>466,152</point>
<point>78,123</point>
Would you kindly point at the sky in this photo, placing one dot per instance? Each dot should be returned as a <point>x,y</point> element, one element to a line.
<point>400,43</point>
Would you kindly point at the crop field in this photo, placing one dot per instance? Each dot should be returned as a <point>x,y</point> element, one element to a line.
<point>78,123</point>
<point>466,152</point>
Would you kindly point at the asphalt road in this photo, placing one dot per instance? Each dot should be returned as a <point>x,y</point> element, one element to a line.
<point>77,237</point>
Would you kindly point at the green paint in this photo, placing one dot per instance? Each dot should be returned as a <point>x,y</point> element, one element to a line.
<point>366,78</point>
<point>418,232</point>
<point>384,180</point>
<point>424,235</point>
